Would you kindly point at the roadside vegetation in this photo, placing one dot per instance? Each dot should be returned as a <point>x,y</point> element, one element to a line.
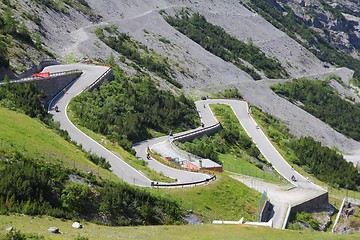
<point>215,40</point>
<point>320,100</point>
<point>303,220</point>
<point>36,140</point>
<point>39,188</point>
<point>285,19</point>
<point>25,98</point>
<point>138,53</point>
<point>126,108</point>
<point>114,147</point>
<point>229,93</point>
<point>322,162</point>
<point>231,147</point>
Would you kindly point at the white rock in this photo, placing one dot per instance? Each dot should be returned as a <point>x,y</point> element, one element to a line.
<point>77,225</point>
<point>54,230</point>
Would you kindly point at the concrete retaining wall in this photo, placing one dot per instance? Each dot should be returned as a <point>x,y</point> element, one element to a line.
<point>264,214</point>
<point>108,75</point>
<point>312,204</point>
<point>54,84</point>
<point>198,133</point>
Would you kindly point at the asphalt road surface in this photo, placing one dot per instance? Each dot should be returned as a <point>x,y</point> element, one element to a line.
<point>90,74</point>
<point>118,166</point>
<point>241,111</point>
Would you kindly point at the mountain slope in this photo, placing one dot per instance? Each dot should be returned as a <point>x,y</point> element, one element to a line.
<point>31,138</point>
<point>200,72</point>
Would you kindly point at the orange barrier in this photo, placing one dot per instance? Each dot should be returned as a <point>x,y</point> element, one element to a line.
<point>41,75</point>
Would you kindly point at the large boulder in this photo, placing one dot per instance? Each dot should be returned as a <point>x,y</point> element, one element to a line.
<point>77,225</point>
<point>54,230</point>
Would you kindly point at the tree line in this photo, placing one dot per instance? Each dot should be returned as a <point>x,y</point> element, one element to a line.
<point>325,163</point>
<point>322,162</point>
<point>38,188</point>
<point>215,40</point>
<point>324,103</point>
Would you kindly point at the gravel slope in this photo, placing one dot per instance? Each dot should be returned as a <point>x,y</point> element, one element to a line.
<point>202,71</point>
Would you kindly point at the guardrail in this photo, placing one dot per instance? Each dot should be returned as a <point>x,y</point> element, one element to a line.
<point>153,184</point>
<point>98,79</point>
<point>31,79</point>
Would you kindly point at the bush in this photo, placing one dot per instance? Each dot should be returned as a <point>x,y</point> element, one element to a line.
<point>77,198</point>
<point>100,161</point>
<point>42,189</point>
<point>304,218</point>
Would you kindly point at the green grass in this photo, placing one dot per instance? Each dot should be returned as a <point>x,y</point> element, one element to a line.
<point>224,199</point>
<point>239,161</point>
<point>240,165</point>
<point>123,154</point>
<point>199,232</point>
<point>33,139</point>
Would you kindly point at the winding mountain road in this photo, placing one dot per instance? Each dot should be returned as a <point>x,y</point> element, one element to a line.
<point>130,175</point>
<point>91,73</point>
<point>241,111</point>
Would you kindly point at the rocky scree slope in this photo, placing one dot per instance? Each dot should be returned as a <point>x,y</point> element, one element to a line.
<point>29,30</point>
<point>337,21</point>
<point>200,72</point>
